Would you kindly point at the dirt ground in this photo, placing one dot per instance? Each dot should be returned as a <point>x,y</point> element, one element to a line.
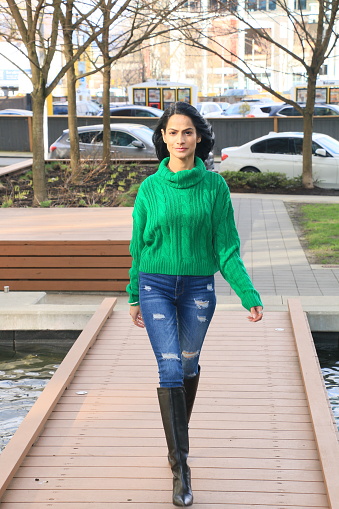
<point>96,187</point>
<point>100,187</point>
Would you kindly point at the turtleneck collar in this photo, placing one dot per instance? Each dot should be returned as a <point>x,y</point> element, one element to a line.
<point>181,179</point>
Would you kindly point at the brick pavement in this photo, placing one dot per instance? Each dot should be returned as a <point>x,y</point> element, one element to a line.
<point>273,254</point>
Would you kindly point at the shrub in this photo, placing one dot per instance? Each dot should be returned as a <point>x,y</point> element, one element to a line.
<point>270,181</point>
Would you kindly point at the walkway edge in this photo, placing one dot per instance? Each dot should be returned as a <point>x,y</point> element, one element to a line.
<point>34,422</point>
<point>323,423</point>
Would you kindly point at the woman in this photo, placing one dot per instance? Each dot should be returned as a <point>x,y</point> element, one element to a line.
<point>183,232</point>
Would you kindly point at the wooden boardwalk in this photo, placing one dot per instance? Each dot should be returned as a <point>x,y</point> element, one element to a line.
<point>261,433</point>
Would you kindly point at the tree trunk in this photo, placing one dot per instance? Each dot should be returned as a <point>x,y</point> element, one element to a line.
<point>38,170</point>
<point>307,177</point>
<point>106,155</point>
<point>73,125</point>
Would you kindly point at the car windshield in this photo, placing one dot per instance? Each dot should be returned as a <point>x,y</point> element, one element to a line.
<point>239,109</point>
<point>145,132</point>
<point>330,144</point>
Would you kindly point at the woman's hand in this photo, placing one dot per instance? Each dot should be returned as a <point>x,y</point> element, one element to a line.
<point>134,311</point>
<point>256,314</point>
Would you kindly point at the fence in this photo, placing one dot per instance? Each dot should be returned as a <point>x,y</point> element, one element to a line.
<point>15,131</point>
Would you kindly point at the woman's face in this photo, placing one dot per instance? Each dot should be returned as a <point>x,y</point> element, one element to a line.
<point>180,137</point>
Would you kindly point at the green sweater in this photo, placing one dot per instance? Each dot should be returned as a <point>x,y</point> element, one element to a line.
<point>183,224</point>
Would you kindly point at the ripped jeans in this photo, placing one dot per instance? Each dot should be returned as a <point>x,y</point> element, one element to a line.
<point>177,311</point>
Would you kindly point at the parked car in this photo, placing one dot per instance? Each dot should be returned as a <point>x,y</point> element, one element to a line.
<point>246,109</point>
<point>134,110</point>
<point>282,152</point>
<point>11,111</point>
<point>223,105</point>
<point>84,108</point>
<point>286,110</point>
<point>209,108</point>
<point>129,141</point>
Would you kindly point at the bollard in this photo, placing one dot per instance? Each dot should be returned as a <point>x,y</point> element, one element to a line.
<point>6,289</point>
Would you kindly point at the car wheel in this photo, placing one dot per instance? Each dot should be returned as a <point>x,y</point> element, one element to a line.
<point>250,169</point>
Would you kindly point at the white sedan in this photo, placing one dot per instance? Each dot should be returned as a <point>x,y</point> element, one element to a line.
<point>282,152</point>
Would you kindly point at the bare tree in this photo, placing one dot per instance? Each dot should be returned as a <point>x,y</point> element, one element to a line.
<point>313,44</point>
<point>68,28</point>
<point>128,31</point>
<point>37,26</point>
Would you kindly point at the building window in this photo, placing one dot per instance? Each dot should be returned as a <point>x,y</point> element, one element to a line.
<point>223,5</point>
<point>300,4</point>
<point>192,5</point>
<point>261,5</point>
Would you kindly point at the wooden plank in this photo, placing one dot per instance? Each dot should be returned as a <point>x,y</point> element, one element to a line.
<point>156,472</point>
<point>229,464</point>
<point>111,496</point>
<point>66,286</point>
<point>322,417</point>
<point>65,261</point>
<point>141,505</point>
<point>64,249</point>
<point>63,273</point>
<point>35,420</point>
<point>19,167</point>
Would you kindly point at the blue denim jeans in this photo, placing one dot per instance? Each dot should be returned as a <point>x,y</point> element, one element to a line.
<point>177,311</point>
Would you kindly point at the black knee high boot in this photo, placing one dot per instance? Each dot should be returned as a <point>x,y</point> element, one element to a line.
<point>191,387</point>
<point>174,417</point>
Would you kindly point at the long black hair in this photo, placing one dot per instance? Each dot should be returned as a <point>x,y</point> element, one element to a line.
<point>203,128</point>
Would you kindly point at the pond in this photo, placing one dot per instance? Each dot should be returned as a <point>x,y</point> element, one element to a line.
<point>327,346</point>
<point>23,375</point>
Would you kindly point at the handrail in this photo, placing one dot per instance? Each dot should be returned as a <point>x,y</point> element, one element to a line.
<point>34,422</point>
<point>322,418</point>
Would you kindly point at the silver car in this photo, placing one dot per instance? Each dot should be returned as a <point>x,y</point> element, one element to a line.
<point>128,141</point>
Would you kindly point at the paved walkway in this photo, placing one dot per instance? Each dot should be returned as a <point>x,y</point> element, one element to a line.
<point>273,254</point>
<point>270,248</point>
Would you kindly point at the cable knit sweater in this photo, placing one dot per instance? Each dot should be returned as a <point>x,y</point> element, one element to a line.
<point>183,224</point>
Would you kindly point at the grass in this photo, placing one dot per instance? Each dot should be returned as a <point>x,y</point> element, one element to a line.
<point>320,224</point>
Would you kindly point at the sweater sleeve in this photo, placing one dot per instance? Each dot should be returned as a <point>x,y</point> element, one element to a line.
<point>136,246</point>
<point>227,250</point>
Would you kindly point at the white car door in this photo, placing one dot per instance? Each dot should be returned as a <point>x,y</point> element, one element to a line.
<point>325,170</point>
<point>274,155</point>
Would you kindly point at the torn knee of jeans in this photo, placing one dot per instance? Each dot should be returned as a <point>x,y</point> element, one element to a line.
<point>202,319</point>
<point>158,316</point>
<point>170,356</point>
<point>201,304</point>
<point>191,375</point>
<point>190,355</point>
<point>147,288</point>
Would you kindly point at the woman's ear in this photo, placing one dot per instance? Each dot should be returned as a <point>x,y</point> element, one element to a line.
<point>198,139</point>
<point>163,135</point>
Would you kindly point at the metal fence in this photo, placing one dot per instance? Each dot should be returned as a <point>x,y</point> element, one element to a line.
<point>15,131</point>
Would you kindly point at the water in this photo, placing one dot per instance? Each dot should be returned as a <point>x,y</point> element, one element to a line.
<point>23,376</point>
<point>327,346</point>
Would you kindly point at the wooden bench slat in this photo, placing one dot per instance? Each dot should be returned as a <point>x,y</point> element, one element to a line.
<point>59,249</point>
<point>64,273</point>
<point>66,286</point>
<point>65,261</point>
